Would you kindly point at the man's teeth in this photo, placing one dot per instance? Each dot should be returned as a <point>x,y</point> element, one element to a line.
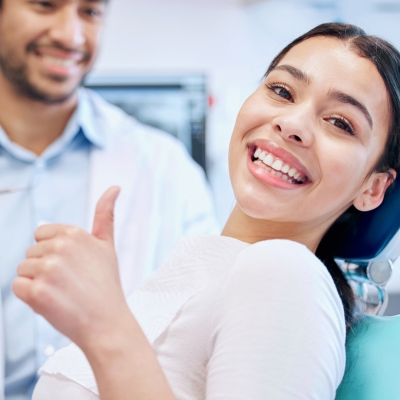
<point>277,167</point>
<point>63,62</point>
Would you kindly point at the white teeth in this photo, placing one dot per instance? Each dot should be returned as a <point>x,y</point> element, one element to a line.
<point>261,164</point>
<point>285,168</point>
<point>262,155</point>
<point>291,172</point>
<point>269,159</point>
<point>277,165</point>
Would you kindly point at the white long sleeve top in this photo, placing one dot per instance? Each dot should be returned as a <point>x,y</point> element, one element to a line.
<point>230,321</point>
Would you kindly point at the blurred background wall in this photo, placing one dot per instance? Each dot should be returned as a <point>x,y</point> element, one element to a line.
<point>232,42</point>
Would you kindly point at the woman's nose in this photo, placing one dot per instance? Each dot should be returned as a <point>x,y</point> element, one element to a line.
<point>295,126</point>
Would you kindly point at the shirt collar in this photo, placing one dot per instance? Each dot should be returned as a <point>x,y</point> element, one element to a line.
<point>87,120</point>
<point>81,121</point>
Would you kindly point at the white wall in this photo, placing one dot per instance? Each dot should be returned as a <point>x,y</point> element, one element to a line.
<point>188,35</point>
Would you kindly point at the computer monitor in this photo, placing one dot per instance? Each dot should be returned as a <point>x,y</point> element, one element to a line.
<point>176,104</point>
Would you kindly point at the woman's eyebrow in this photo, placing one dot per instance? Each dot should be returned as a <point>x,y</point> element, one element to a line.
<point>335,95</point>
<point>295,72</point>
<point>347,99</point>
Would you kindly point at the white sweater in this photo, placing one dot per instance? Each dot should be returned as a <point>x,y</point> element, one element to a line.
<point>229,320</point>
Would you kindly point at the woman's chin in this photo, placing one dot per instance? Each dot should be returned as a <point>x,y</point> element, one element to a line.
<point>261,210</point>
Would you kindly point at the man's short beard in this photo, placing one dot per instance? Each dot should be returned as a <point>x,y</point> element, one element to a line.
<point>17,74</point>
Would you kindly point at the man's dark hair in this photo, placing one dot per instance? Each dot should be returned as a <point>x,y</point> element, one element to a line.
<point>105,1</point>
<point>387,61</point>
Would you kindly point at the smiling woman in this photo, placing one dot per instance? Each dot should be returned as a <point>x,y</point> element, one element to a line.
<point>386,61</point>
<point>253,313</point>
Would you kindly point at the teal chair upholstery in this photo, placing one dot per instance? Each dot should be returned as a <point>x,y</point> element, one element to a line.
<point>373,360</point>
<point>367,246</point>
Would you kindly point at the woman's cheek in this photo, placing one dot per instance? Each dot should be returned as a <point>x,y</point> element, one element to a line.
<point>344,168</point>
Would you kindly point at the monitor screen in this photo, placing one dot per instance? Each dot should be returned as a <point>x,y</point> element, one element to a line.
<point>175,104</point>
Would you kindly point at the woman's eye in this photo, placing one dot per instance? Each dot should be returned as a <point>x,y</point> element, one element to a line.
<point>282,92</point>
<point>342,124</point>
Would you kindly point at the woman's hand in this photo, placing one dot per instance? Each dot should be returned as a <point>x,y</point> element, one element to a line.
<point>71,277</point>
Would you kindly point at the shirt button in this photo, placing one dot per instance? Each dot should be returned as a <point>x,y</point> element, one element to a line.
<point>40,164</point>
<point>48,350</point>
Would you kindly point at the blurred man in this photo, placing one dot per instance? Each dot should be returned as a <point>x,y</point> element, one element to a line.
<point>60,148</point>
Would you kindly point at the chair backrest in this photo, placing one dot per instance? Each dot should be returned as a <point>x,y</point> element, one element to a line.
<point>373,360</point>
<point>376,235</point>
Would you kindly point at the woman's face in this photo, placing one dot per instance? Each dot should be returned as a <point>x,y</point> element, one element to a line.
<point>306,140</point>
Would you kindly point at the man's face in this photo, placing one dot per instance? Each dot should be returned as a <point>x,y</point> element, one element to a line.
<point>47,47</point>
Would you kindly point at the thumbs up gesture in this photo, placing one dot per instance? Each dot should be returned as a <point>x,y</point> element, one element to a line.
<point>71,276</point>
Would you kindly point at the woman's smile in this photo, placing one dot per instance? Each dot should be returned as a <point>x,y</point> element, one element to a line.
<point>276,166</point>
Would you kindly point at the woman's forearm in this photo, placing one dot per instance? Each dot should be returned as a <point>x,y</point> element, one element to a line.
<point>125,365</point>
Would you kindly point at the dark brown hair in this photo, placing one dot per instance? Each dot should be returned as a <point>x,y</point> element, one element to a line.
<point>1,2</point>
<point>387,61</point>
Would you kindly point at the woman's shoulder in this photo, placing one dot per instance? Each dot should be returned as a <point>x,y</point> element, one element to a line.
<point>278,311</point>
<point>281,258</point>
<point>288,271</point>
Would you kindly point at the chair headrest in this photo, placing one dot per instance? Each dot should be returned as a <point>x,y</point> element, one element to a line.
<point>375,235</point>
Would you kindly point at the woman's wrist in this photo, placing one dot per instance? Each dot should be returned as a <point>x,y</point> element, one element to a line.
<point>124,363</point>
<point>110,337</point>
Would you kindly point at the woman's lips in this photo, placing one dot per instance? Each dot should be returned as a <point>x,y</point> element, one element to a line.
<point>280,153</point>
<point>276,166</point>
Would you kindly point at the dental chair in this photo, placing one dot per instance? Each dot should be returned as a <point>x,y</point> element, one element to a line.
<point>365,251</point>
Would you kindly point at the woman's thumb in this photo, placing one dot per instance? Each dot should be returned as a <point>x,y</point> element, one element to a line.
<point>103,224</point>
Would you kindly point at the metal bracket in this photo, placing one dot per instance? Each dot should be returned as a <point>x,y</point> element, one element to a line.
<point>368,283</point>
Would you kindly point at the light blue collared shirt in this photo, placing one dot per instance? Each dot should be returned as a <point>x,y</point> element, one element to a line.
<point>61,171</point>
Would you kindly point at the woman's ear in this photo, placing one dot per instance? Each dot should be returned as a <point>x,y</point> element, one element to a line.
<point>373,195</point>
